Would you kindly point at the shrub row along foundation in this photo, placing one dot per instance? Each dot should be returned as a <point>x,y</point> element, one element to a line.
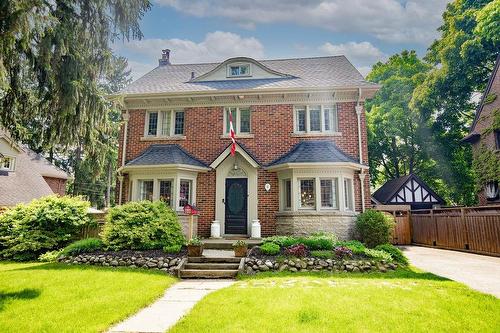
<point>254,265</point>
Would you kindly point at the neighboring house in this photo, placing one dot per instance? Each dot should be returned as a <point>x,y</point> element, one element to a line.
<point>301,162</point>
<point>485,134</point>
<point>26,175</point>
<point>407,190</point>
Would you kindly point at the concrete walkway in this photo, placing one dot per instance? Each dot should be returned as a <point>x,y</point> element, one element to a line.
<point>165,312</point>
<point>476,271</point>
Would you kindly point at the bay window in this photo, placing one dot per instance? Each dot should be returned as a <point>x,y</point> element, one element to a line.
<point>146,189</point>
<point>316,119</point>
<point>329,197</point>
<point>185,192</point>
<point>164,123</point>
<point>241,120</point>
<point>166,191</point>
<point>287,189</point>
<point>348,197</point>
<point>307,194</point>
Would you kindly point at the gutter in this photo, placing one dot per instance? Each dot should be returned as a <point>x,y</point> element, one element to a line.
<point>359,110</point>
<point>125,117</point>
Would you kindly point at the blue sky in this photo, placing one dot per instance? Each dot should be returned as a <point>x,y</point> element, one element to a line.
<point>366,31</point>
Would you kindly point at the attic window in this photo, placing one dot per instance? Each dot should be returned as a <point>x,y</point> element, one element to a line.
<point>238,70</point>
<point>7,163</point>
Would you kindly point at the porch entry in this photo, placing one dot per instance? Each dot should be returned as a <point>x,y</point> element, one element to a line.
<point>236,203</point>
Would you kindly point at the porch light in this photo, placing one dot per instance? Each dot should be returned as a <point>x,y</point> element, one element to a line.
<point>491,190</point>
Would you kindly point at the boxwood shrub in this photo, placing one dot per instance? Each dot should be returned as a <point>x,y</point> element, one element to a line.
<point>270,249</point>
<point>45,224</point>
<point>142,225</point>
<point>374,227</point>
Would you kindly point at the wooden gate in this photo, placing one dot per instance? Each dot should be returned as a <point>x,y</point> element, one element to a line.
<point>401,235</point>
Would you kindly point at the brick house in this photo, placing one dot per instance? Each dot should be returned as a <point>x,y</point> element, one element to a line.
<point>485,131</point>
<point>26,175</point>
<point>301,162</point>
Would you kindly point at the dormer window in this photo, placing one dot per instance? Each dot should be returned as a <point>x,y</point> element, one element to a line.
<point>238,70</point>
<point>7,163</point>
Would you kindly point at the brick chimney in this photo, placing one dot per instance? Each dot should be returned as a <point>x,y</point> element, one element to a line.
<point>165,58</point>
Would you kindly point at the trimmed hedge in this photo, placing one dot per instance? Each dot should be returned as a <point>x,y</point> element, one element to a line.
<point>142,225</point>
<point>318,241</point>
<point>45,224</point>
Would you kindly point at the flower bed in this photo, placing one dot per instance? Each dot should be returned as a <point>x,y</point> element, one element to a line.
<point>154,259</point>
<point>309,264</point>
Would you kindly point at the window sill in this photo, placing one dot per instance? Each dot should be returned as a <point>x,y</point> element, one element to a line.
<point>238,136</point>
<point>163,138</point>
<point>313,134</point>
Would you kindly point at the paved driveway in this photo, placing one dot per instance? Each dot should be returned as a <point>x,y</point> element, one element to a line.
<point>477,271</point>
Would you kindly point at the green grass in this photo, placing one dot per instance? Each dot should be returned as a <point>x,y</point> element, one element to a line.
<point>37,297</point>
<point>401,301</point>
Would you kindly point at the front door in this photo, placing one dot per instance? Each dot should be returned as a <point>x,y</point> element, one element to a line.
<point>236,206</point>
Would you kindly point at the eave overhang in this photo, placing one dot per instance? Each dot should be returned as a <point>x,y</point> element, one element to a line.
<point>317,165</point>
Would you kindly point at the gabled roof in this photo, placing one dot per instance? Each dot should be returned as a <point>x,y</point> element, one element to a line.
<point>322,151</point>
<point>242,150</point>
<point>473,134</point>
<point>165,154</point>
<point>319,72</point>
<point>387,191</point>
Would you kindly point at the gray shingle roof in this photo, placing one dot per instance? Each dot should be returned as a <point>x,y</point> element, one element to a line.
<point>334,71</point>
<point>314,152</point>
<point>165,154</point>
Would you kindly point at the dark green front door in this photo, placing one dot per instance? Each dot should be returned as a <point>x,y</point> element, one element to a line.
<point>236,206</point>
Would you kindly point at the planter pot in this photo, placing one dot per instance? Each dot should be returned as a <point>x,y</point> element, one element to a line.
<point>195,250</point>
<point>240,251</point>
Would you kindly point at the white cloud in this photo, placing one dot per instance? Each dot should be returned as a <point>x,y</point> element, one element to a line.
<point>388,20</point>
<point>217,46</point>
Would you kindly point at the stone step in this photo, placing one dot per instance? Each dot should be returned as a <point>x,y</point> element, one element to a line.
<point>208,273</point>
<point>227,244</point>
<point>211,265</point>
<point>223,260</point>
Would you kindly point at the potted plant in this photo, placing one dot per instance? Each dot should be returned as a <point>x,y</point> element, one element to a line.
<point>240,248</point>
<point>195,247</point>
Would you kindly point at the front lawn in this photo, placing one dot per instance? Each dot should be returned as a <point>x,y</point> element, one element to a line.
<point>37,297</point>
<point>401,301</point>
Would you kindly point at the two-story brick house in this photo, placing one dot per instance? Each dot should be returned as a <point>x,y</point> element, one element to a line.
<point>301,162</point>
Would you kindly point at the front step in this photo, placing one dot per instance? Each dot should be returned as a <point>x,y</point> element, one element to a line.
<point>227,244</point>
<point>210,267</point>
<point>208,273</point>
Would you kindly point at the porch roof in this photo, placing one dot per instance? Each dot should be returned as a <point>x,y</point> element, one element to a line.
<point>314,152</point>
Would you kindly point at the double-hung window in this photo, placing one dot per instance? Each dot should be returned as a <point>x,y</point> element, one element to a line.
<point>241,120</point>
<point>348,194</point>
<point>287,197</point>
<point>316,119</point>
<point>329,196</point>
<point>307,193</point>
<point>165,191</point>
<point>146,189</point>
<point>185,192</point>
<point>165,123</point>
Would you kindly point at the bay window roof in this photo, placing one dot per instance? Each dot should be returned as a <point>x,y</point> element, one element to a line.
<point>165,154</point>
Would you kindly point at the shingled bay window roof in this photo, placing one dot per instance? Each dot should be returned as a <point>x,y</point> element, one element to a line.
<point>314,152</point>
<point>165,154</point>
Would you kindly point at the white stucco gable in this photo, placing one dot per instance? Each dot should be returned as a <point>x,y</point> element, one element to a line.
<point>249,68</point>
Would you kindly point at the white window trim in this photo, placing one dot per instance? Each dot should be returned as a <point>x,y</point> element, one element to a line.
<point>12,163</point>
<point>172,183</point>
<point>299,201</point>
<point>171,130</point>
<point>282,190</point>
<point>237,123</point>
<point>335,180</point>
<point>190,199</point>
<point>139,190</point>
<point>346,208</point>
<point>238,64</point>
<point>322,131</point>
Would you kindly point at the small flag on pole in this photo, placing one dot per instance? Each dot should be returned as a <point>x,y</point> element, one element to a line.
<point>231,133</point>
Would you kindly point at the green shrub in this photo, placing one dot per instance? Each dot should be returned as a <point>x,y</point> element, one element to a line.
<point>318,241</point>
<point>374,227</point>
<point>83,246</point>
<point>322,254</point>
<point>45,224</point>
<point>270,249</point>
<point>143,225</point>
<point>172,248</point>
<point>378,254</point>
<point>50,256</point>
<point>395,253</point>
<point>355,246</point>
<point>282,241</point>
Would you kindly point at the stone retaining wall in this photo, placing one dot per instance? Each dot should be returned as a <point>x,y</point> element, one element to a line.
<point>254,265</point>
<point>305,223</point>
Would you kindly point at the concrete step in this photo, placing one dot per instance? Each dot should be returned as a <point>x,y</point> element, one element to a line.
<point>210,265</point>
<point>223,260</point>
<point>208,273</point>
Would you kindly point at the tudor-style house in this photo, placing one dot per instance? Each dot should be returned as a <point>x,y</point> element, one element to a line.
<point>301,162</point>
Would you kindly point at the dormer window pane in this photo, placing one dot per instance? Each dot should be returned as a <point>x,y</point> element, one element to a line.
<point>153,123</point>
<point>239,70</point>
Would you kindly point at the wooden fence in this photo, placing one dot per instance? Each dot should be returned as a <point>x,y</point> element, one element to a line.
<point>401,235</point>
<point>473,229</point>
<point>92,231</point>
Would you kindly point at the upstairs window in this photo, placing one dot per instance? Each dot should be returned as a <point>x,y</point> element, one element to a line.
<point>316,119</point>
<point>164,123</point>
<point>7,163</point>
<point>238,70</point>
<point>241,120</point>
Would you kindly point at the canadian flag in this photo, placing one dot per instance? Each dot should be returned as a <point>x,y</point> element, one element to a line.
<point>231,134</point>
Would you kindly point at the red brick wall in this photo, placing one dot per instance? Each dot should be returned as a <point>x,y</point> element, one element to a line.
<point>57,185</point>
<point>272,127</point>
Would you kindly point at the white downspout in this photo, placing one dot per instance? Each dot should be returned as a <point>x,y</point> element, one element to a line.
<point>125,117</point>
<point>359,110</point>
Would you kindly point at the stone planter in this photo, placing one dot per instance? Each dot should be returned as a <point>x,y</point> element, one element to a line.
<point>240,251</point>
<point>195,250</point>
